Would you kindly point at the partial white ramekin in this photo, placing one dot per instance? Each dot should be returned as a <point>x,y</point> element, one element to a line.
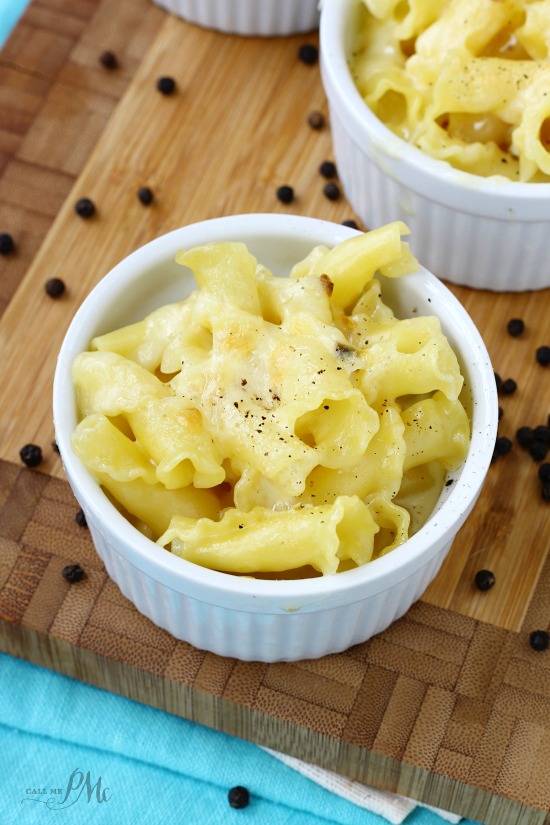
<point>470,230</point>
<point>266,18</point>
<point>259,619</point>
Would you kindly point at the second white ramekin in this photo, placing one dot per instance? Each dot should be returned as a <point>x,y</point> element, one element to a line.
<point>478,232</point>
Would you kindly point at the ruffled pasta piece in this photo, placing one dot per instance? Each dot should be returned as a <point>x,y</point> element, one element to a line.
<point>482,85</point>
<point>393,97</point>
<point>173,434</point>
<point>155,506</point>
<point>107,383</point>
<point>436,429</point>
<point>105,449</point>
<point>378,470</point>
<point>146,341</point>
<point>420,489</point>
<point>477,158</point>
<point>410,357</point>
<point>408,23</point>
<point>267,540</point>
<point>308,264</point>
<point>393,522</point>
<point>340,429</point>
<point>469,25</point>
<point>310,328</point>
<point>317,398</point>
<point>368,318</point>
<point>238,400</point>
<point>534,35</point>
<point>282,298</point>
<point>531,139</point>
<point>192,344</point>
<point>215,267</point>
<point>382,9</point>
<point>351,264</point>
<point>252,489</point>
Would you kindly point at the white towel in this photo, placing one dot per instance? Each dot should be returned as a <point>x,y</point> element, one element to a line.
<point>391,806</point>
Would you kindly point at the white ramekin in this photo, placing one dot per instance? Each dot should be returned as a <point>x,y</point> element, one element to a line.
<point>258,619</point>
<point>266,18</point>
<point>471,230</point>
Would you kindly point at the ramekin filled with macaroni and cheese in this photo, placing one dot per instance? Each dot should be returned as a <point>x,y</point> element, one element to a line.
<point>276,440</point>
<point>440,116</point>
<point>265,18</point>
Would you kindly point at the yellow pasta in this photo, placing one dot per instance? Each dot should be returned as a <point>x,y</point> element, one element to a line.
<point>146,341</point>
<point>110,384</point>
<point>276,426</point>
<point>110,451</point>
<point>465,81</point>
<point>172,433</point>
<point>273,540</point>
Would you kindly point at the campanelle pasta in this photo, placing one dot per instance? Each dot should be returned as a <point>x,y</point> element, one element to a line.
<point>276,426</point>
<point>466,81</point>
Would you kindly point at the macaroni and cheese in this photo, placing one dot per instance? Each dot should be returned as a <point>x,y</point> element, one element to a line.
<point>272,424</point>
<point>466,81</point>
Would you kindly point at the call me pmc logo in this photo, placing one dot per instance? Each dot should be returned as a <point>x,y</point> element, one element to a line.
<point>79,786</point>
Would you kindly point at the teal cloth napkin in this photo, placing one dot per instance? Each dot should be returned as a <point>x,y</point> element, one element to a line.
<point>10,12</point>
<point>114,760</point>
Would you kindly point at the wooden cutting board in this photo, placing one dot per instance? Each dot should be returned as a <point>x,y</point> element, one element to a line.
<point>450,705</point>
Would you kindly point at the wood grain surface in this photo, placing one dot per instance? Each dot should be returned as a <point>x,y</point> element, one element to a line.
<point>450,705</point>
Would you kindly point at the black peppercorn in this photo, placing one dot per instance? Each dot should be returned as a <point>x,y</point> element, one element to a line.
<point>525,436</point>
<point>285,194</point>
<point>55,287</point>
<point>542,356</point>
<point>544,472</point>
<point>316,120</point>
<point>542,433</point>
<point>328,169</point>
<point>498,380</point>
<point>85,208</point>
<point>538,639</point>
<point>484,580</point>
<point>166,85</point>
<point>73,573</point>
<point>503,445</point>
<point>538,451</point>
<point>508,387</point>
<point>108,60</point>
<point>351,223</point>
<point>80,518</point>
<point>31,455</point>
<point>238,797</point>
<point>332,191</point>
<point>515,327</point>
<point>145,195</point>
<point>308,54</point>
<point>6,243</point>
<point>545,491</point>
